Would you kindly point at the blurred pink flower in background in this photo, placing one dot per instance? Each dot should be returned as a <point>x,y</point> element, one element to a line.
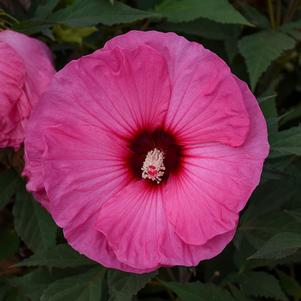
<point>145,152</point>
<point>25,72</point>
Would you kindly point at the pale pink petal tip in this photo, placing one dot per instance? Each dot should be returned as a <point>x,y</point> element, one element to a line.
<point>26,70</point>
<point>145,152</point>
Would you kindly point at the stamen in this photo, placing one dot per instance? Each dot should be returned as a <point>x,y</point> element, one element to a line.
<point>153,166</point>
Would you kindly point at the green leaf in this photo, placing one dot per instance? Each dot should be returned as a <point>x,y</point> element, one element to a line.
<point>4,288</point>
<point>279,246</point>
<point>34,283</point>
<point>32,223</point>
<point>8,183</point>
<point>123,286</point>
<point>199,292</point>
<point>204,28</point>
<point>290,285</point>
<point>31,27</point>
<point>87,286</point>
<point>287,142</point>
<point>262,228</point>
<point>275,193</point>
<point>291,25</point>
<point>147,4</point>
<point>60,256</point>
<point>15,295</point>
<point>72,34</point>
<point>261,49</point>
<point>231,47</point>
<point>92,12</point>
<point>268,106</point>
<point>254,16</point>
<point>188,10</point>
<point>296,214</point>
<point>9,242</point>
<point>261,284</point>
<point>293,29</point>
<point>237,294</point>
<point>44,10</point>
<point>291,116</point>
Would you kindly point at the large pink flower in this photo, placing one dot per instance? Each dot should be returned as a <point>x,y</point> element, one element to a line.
<point>25,72</point>
<point>145,151</point>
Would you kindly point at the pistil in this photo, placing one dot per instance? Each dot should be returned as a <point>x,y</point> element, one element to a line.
<point>153,166</point>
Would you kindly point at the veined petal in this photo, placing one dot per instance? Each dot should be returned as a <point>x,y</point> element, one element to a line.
<point>37,60</point>
<point>82,167</point>
<point>206,104</point>
<point>12,77</point>
<point>85,238</point>
<point>103,114</point>
<point>217,182</point>
<point>134,224</point>
<point>28,63</point>
<point>115,91</point>
<point>131,88</point>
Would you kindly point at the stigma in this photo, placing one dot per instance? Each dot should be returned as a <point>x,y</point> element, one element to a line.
<point>153,166</point>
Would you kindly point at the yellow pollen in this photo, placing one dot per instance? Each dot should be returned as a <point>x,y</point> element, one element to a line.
<point>153,166</point>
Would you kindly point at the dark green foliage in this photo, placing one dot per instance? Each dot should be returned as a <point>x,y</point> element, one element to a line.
<point>32,223</point>
<point>87,286</point>
<point>199,292</point>
<point>60,256</point>
<point>122,286</point>
<point>279,246</point>
<point>260,40</point>
<point>8,183</point>
<point>261,284</point>
<point>90,12</point>
<point>188,10</point>
<point>260,49</point>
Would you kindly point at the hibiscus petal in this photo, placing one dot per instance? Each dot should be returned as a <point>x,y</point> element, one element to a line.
<point>86,239</point>
<point>217,181</point>
<point>82,167</point>
<point>37,59</point>
<point>12,76</point>
<point>24,60</point>
<point>134,224</point>
<point>115,91</point>
<point>206,103</point>
<point>129,89</point>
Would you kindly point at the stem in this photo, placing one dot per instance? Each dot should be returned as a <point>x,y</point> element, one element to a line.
<point>295,7</point>
<point>271,14</point>
<point>170,294</point>
<point>145,25</point>
<point>278,13</point>
<point>292,8</point>
<point>171,274</point>
<point>168,291</point>
<point>184,274</point>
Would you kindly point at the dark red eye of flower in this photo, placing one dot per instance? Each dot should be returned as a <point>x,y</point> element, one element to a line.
<point>155,154</point>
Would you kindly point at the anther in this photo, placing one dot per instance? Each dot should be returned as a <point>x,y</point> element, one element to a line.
<point>153,166</point>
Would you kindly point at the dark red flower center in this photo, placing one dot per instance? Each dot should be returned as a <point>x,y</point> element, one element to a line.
<point>147,141</point>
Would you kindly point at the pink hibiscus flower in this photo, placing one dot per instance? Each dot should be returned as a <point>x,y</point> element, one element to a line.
<point>145,152</point>
<point>26,70</point>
